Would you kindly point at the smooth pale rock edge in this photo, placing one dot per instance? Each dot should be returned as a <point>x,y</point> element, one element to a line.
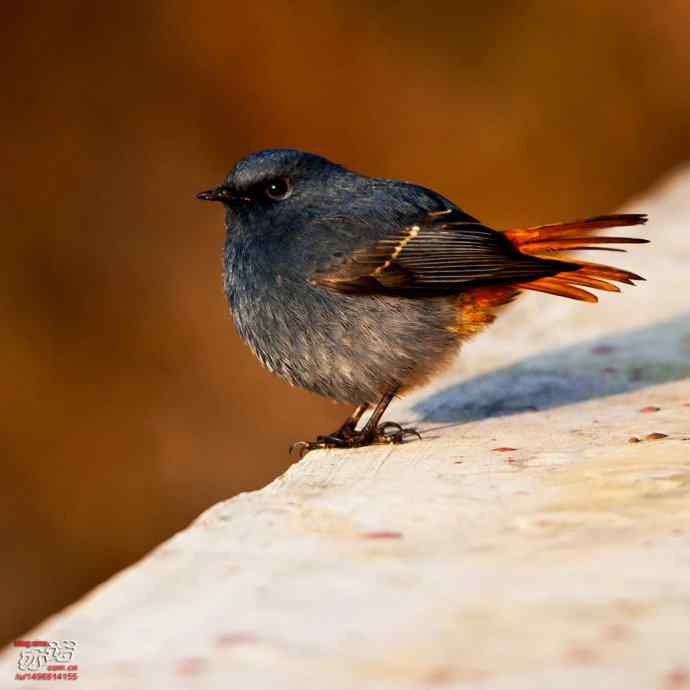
<point>565,563</point>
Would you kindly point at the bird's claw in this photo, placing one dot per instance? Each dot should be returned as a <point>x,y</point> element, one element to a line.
<point>303,447</point>
<point>398,436</point>
<point>380,434</point>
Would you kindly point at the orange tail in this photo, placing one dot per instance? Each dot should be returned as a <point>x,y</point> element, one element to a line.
<point>547,241</point>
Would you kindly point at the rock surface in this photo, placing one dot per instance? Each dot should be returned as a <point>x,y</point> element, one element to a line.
<point>538,537</point>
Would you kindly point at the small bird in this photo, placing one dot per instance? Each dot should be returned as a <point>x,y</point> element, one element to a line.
<point>361,288</point>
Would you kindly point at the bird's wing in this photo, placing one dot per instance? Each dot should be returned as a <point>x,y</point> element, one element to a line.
<point>439,254</point>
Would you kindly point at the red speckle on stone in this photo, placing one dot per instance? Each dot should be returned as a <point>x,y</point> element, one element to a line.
<point>237,638</point>
<point>633,439</point>
<point>650,408</point>
<point>439,676</point>
<point>655,436</point>
<point>458,462</point>
<point>581,655</point>
<point>678,678</point>
<point>602,350</point>
<point>503,449</point>
<point>191,666</point>
<point>616,632</point>
<point>383,534</point>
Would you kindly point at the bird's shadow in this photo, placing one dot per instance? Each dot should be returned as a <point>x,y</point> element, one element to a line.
<point>617,363</point>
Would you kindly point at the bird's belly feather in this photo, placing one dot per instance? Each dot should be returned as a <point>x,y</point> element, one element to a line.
<point>349,348</point>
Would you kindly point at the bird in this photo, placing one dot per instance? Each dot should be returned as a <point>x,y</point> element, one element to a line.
<point>362,288</point>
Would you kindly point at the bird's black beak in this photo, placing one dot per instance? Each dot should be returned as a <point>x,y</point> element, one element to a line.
<point>221,193</point>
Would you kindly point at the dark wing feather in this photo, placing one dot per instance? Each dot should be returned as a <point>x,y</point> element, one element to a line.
<point>435,256</point>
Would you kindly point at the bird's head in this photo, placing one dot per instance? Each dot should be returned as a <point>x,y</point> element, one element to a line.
<point>274,180</point>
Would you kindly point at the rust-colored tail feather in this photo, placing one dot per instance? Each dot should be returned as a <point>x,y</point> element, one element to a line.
<point>546,241</point>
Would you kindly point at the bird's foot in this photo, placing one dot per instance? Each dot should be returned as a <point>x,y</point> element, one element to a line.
<point>388,432</point>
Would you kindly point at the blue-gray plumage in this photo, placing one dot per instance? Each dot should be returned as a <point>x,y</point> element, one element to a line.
<point>358,288</point>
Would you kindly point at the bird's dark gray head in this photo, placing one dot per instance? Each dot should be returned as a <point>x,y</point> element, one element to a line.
<point>271,177</point>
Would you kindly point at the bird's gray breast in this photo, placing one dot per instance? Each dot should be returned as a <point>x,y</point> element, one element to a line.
<point>351,348</point>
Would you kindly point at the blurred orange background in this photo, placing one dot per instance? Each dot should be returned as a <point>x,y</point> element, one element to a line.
<point>130,405</point>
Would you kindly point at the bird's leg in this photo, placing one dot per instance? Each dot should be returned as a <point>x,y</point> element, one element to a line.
<point>348,428</point>
<point>344,432</point>
<point>372,432</point>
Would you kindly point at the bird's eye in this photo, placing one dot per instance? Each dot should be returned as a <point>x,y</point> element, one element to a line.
<point>278,188</point>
